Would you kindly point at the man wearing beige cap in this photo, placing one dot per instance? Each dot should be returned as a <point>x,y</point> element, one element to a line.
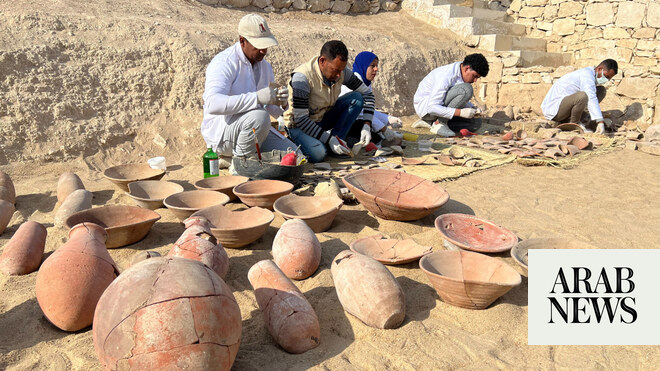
<point>237,96</point>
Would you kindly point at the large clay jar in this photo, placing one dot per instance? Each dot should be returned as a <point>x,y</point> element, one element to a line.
<point>296,250</point>
<point>367,290</point>
<point>78,200</point>
<point>289,317</point>
<point>23,253</point>
<point>6,211</point>
<point>68,183</point>
<point>9,193</point>
<point>167,314</point>
<point>71,281</point>
<point>198,243</point>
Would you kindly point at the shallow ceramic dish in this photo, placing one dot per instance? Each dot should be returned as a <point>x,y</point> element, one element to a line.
<point>413,161</point>
<point>184,204</point>
<point>472,233</point>
<point>394,195</point>
<point>570,127</point>
<point>390,251</point>
<point>262,193</point>
<point>237,228</point>
<point>150,194</point>
<point>520,251</point>
<point>122,175</point>
<point>224,184</point>
<point>124,224</point>
<point>318,212</point>
<point>468,279</point>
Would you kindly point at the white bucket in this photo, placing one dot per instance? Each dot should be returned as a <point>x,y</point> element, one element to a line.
<point>157,163</point>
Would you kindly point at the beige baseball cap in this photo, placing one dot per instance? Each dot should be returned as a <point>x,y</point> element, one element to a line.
<point>255,29</point>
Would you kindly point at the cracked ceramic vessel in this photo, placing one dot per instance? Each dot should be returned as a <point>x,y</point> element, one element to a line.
<point>150,194</point>
<point>580,143</point>
<point>67,183</point>
<point>389,250</point>
<point>329,188</point>
<point>23,253</point>
<point>224,184</point>
<point>289,317</point>
<point>520,251</point>
<point>72,279</point>
<point>472,233</point>
<point>125,224</point>
<point>367,290</point>
<point>296,250</point>
<point>78,200</point>
<point>9,193</point>
<point>144,255</point>
<point>237,228</point>
<point>468,279</point>
<point>184,204</point>
<point>167,314</point>
<point>570,127</point>
<point>262,193</point>
<point>413,161</point>
<point>318,212</point>
<point>197,243</point>
<point>122,175</point>
<point>6,212</point>
<point>394,195</point>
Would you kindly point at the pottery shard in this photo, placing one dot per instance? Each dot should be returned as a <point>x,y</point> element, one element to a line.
<point>72,279</point>
<point>23,253</point>
<point>198,243</point>
<point>144,255</point>
<point>6,211</point>
<point>289,317</point>
<point>296,250</point>
<point>167,313</point>
<point>68,183</point>
<point>10,191</point>
<point>78,200</point>
<point>380,303</point>
<point>330,188</point>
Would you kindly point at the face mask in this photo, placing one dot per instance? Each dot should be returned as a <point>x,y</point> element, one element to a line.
<point>602,80</point>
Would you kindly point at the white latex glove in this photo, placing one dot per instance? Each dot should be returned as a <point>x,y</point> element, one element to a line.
<point>467,113</point>
<point>267,96</point>
<point>283,95</point>
<point>338,146</point>
<point>608,123</point>
<point>365,134</point>
<point>389,134</point>
<point>395,122</point>
<point>600,128</point>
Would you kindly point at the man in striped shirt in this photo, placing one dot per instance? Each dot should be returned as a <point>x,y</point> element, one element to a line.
<point>317,118</point>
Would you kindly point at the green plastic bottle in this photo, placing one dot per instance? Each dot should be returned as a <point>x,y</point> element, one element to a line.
<point>210,160</point>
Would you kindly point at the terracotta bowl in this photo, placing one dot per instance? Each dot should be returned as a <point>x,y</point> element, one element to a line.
<point>390,251</point>
<point>150,194</point>
<point>394,195</point>
<point>570,127</point>
<point>224,184</point>
<point>318,212</point>
<point>476,234</point>
<point>122,175</point>
<point>184,204</point>
<point>124,224</point>
<point>468,279</point>
<point>237,228</point>
<point>519,252</point>
<point>262,193</point>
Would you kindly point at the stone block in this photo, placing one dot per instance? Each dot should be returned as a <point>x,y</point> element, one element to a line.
<point>648,44</point>
<point>516,5</point>
<point>280,4</point>
<point>512,71</point>
<point>637,87</point>
<point>615,33</point>
<point>630,14</point>
<point>236,3</point>
<point>360,6</point>
<point>550,12</point>
<point>634,71</point>
<point>645,61</point>
<point>649,147</point>
<point>262,3</point>
<point>623,54</point>
<point>523,94</point>
<point>341,6</point>
<point>570,8</point>
<point>299,4</point>
<point>511,61</point>
<point>318,5</point>
<point>209,2</point>
<point>530,78</point>
<point>562,70</point>
<point>645,33</point>
<point>653,15</point>
<point>494,73</point>
<point>555,48</point>
<point>626,43</point>
<point>545,26</point>
<point>389,6</point>
<point>531,12</point>
<point>592,33</point>
<point>565,26</point>
<point>536,2</point>
<point>600,14</point>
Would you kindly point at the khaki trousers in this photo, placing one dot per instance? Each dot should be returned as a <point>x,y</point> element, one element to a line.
<point>572,106</point>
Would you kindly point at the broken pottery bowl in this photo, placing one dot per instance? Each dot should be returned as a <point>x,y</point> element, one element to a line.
<point>184,204</point>
<point>520,134</point>
<point>580,143</point>
<point>570,127</point>
<point>468,279</point>
<point>394,195</point>
<point>122,175</point>
<point>317,212</point>
<point>124,224</point>
<point>150,194</point>
<point>520,251</point>
<point>237,228</point>
<point>224,184</point>
<point>413,161</point>
<point>262,193</point>
<point>390,251</point>
<point>472,233</point>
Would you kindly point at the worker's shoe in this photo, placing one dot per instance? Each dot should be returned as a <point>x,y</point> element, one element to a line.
<point>442,130</point>
<point>421,124</point>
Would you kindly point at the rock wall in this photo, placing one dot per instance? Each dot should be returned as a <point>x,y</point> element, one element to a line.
<point>314,6</point>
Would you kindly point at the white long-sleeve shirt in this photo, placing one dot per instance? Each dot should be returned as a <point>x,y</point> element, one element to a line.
<point>584,80</point>
<point>432,90</point>
<point>230,88</point>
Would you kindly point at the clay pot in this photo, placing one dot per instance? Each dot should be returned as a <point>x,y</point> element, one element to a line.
<point>6,212</point>
<point>520,134</point>
<point>9,194</point>
<point>467,279</point>
<point>184,204</point>
<point>570,127</point>
<point>68,183</point>
<point>237,228</point>
<point>318,212</point>
<point>78,200</point>
<point>122,175</point>
<point>144,255</point>
<point>72,279</point>
<point>296,250</point>
<point>23,253</point>
<point>197,243</point>
<point>150,194</point>
<point>394,195</point>
<point>581,143</point>
<point>388,250</point>
<point>413,161</point>
<point>262,193</point>
<point>508,136</point>
<point>289,317</point>
<point>476,234</point>
<point>329,188</point>
<point>224,184</point>
<point>367,290</point>
<point>124,224</point>
<point>520,251</point>
<point>167,314</point>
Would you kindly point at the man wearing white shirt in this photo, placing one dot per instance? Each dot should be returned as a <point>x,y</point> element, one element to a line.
<point>442,97</point>
<point>238,98</point>
<point>573,92</point>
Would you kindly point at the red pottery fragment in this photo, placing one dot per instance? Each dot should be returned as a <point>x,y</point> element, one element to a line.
<point>389,251</point>
<point>581,143</point>
<point>23,253</point>
<point>472,233</point>
<point>296,250</point>
<point>508,136</point>
<point>521,134</point>
<point>68,183</point>
<point>198,243</point>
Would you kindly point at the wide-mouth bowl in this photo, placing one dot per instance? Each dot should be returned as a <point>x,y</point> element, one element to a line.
<point>121,175</point>
<point>389,250</point>
<point>469,267</point>
<point>519,253</point>
<point>264,187</point>
<point>153,190</point>
<point>220,183</point>
<point>473,233</point>
<point>195,200</point>
<point>237,228</point>
<point>306,207</point>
